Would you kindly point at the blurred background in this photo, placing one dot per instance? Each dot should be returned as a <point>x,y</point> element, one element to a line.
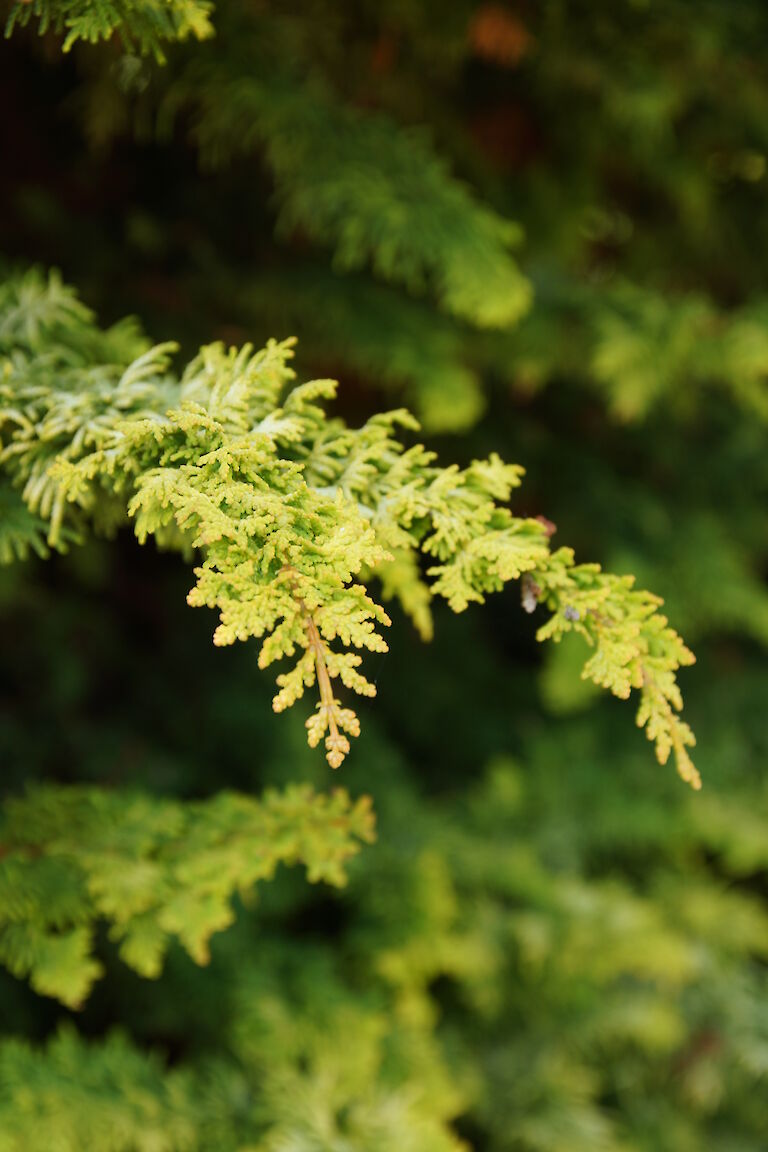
<point>543,227</point>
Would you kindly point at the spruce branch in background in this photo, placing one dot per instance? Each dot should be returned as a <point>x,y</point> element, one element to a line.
<point>289,509</point>
<point>356,182</point>
<point>355,177</point>
<point>376,195</point>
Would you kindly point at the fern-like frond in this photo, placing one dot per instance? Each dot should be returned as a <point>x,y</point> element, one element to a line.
<point>154,870</point>
<point>291,511</point>
<point>76,1096</point>
<point>142,25</point>
<point>354,181</point>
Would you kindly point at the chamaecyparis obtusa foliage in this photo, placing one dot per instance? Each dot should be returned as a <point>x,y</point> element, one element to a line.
<point>352,174</point>
<point>353,181</point>
<point>145,25</point>
<point>542,1030</point>
<point>569,954</point>
<point>377,195</point>
<point>290,512</point>
<point>357,185</point>
<point>155,870</point>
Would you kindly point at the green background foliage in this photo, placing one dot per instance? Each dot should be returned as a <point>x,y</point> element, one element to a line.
<point>541,227</point>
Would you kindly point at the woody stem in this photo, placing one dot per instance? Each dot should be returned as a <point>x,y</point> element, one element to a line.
<point>316,646</point>
<point>323,678</point>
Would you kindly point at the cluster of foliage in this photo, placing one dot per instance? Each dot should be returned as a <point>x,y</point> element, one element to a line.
<point>550,946</point>
<point>143,26</point>
<point>286,507</point>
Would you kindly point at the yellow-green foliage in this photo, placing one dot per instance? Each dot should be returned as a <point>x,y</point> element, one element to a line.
<point>291,511</point>
<point>155,870</point>
<point>552,214</point>
<point>142,24</point>
<point>75,1096</point>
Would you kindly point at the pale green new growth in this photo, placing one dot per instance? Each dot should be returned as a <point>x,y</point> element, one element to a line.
<point>73,1095</point>
<point>633,647</point>
<point>143,25</point>
<point>155,869</point>
<point>291,512</point>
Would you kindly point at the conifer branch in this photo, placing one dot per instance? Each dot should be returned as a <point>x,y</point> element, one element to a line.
<point>290,510</point>
<point>143,25</point>
<point>336,744</point>
<point>350,179</point>
<point>154,870</point>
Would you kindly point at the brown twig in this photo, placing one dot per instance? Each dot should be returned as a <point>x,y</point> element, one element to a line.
<point>327,699</point>
<point>317,647</point>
